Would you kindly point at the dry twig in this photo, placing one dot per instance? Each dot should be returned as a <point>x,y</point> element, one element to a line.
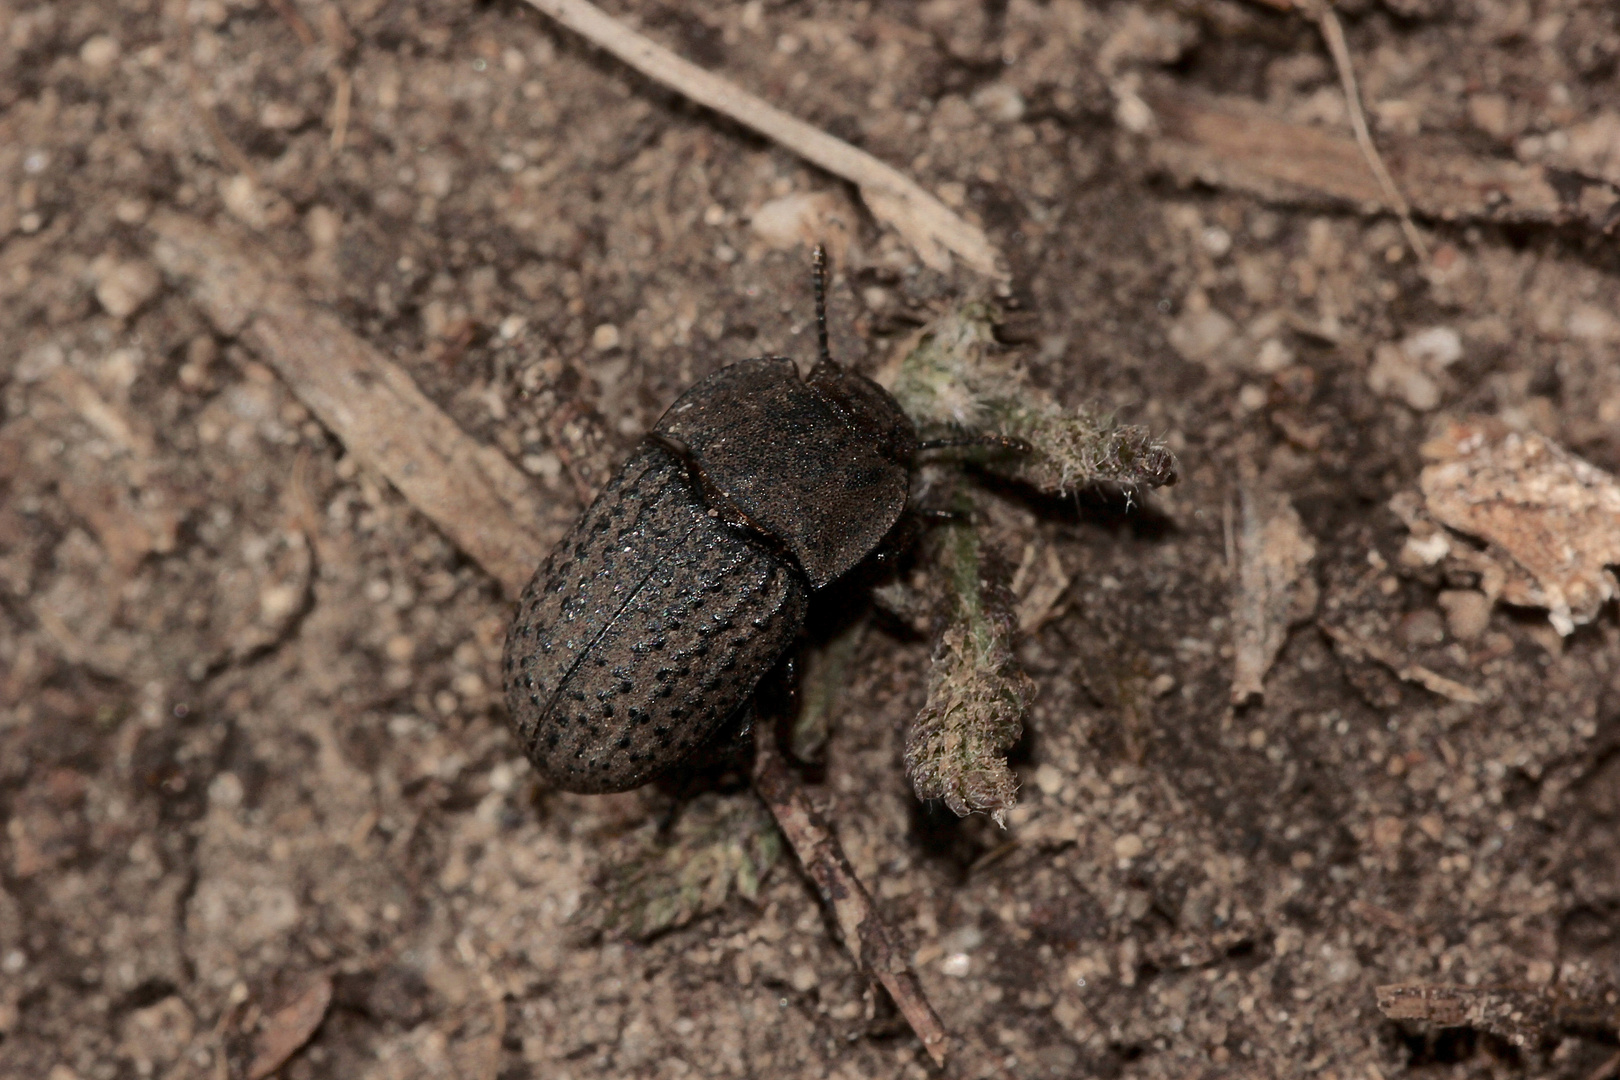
<point>867,935</point>
<point>1359,649</point>
<point>228,150</point>
<point>1522,1015</point>
<point>470,491</point>
<point>289,15</point>
<point>342,96</point>
<point>931,227</point>
<point>1333,34</point>
<point>1237,144</point>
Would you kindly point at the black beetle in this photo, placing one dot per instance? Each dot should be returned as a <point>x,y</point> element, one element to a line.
<point>651,623</point>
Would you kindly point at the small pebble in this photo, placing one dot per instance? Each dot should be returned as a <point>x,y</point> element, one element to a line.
<point>546,465</point>
<point>99,53</point>
<point>1000,102</point>
<point>124,287</point>
<point>1197,335</point>
<point>1468,613</point>
<point>1128,846</point>
<point>1273,356</point>
<point>1395,374</point>
<point>605,337</point>
<point>1049,779</point>
<point>1422,628</point>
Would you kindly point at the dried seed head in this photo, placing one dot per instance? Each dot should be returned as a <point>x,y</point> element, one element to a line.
<point>977,694</point>
<point>949,381</point>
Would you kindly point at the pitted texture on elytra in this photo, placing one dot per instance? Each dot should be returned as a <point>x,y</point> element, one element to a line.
<point>644,631</point>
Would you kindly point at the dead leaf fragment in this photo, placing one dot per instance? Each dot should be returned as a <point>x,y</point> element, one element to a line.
<point>289,1028</point>
<point>1040,589</point>
<point>1549,520</point>
<point>1274,586</point>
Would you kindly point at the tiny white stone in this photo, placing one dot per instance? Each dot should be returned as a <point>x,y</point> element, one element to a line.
<point>100,52</point>
<point>1216,240</point>
<point>1128,846</point>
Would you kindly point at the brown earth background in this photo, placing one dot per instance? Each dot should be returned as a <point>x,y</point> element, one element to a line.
<point>254,769</point>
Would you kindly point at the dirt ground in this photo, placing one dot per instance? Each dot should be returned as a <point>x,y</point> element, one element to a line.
<point>254,767</point>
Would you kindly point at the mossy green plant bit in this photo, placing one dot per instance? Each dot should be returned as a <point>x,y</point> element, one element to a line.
<point>949,383</point>
<point>977,694</point>
<point>720,845</point>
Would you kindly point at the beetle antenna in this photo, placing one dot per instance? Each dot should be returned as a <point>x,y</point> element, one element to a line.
<point>818,276</point>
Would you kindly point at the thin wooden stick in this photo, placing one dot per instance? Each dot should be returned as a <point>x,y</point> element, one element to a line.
<point>342,97</point>
<point>867,935</point>
<point>1333,34</point>
<point>228,150</point>
<point>927,224</point>
<point>481,501</point>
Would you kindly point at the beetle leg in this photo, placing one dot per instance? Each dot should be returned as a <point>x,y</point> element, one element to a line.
<point>1010,443</point>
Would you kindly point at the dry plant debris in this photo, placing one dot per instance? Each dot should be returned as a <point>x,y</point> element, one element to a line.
<point>1523,1015</point>
<point>288,1028</point>
<point>1274,588</point>
<point>977,694</point>
<point>1040,585</point>
<point>874,943</point>
<point>1362,649</point>
<point>1544,524</point>
<point>655,882</point>
<point>931,227</point>
<point>1238,144</point>
<point>472,492</point>
<point>949,382</point>
<point>1327,20</point>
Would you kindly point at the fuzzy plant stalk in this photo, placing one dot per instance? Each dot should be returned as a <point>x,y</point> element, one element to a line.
<point>977,694</point>
<point>949,382</point>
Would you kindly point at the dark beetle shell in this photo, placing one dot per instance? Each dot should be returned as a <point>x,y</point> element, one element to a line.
<point>653,621</point>
<point>822,466</point>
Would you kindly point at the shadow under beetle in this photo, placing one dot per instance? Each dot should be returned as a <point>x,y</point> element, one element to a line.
<point>649,626</point>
